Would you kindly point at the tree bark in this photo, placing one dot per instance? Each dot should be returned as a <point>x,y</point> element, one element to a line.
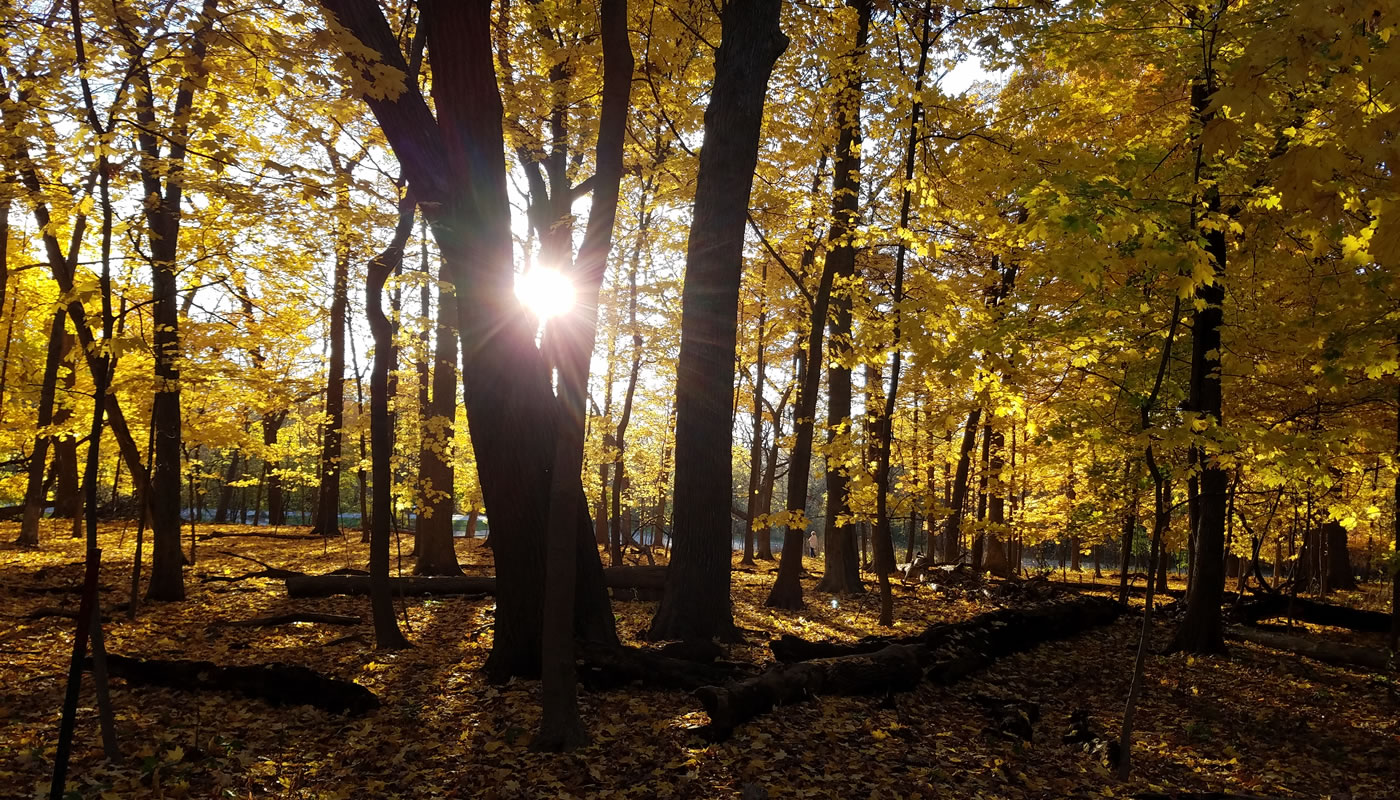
<point>386,627</point>
<point>327,519</point>
<point>437,552</point>
<point>952,527</point>
<point>456,164</point>
<point>756,443</point>
<point>842,564</point>
<point>38,459</point>
<point>697,602</point>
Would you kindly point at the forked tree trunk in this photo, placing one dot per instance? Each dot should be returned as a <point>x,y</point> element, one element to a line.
<point>697,602</point>
<point>456,163</point>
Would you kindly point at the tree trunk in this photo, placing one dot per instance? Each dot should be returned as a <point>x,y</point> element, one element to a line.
<point>38,459</point>
<point>67,494</point>
<point>456,164</point>
<point>221,512</point>
<point>756,443</point>
<point>979,538</point>
<point>619,476</point>
<point>697,603</point>
<point>437,553</point>
<point>327,519</point>
<point>386,627</point>
<point>952,528</point>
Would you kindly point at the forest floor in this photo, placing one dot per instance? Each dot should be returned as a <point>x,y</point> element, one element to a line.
<point>1256,722</point>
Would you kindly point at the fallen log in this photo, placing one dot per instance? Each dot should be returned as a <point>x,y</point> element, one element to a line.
<point>330,585</point>
<point>278,684</point>
<point>610,667</point>
<point>1346,655</point>
<point>1316,612</point>
<point>295,616</point>
<point>1056,618</point>
<point>943,653</point>
<point>295,537</point>
<point>639,579</point>
<point>892,669</point>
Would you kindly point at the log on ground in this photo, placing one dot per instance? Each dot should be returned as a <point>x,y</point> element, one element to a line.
<point>278,684</point>
<point>1346,655</point>
<point>635,578</point>
<point>892,669</point>
<point>608,667</point>
<point>204,537</point>
<point>1046,620</point>
<point>294,617</point>
<point>943,653</point>
<point>1316,612</point>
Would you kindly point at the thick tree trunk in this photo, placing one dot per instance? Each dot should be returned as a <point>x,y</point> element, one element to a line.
<point>842,564</point>
<point>456,164</point>
<point>697,603</point>
<point>437,552</point>
<point>1200,629</point>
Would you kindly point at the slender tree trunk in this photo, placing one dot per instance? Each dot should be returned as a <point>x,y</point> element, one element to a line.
<point>979,538</point>
<point>327,519</point>
<point>38,459</point>
<point>619,471</point>
<point>67,493</point>
<point>221,512</point>
<point>756,443</point>
<point>952,529</point>
<point>276,500</point>
<point>386,627</point>
<point>1395,575</point>
<point>437,552</point>
<point>696,603</point>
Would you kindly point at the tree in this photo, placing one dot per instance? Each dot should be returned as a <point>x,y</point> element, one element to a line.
<point>456,163</point>
<point>327,519</point>
<point>696,602</point>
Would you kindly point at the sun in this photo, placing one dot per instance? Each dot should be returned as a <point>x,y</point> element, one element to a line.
<point>544,292</point>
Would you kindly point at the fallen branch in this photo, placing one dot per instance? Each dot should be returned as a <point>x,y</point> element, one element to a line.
<point>278,684</point>
<point>1347,655</point>
<point>267,571</point>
